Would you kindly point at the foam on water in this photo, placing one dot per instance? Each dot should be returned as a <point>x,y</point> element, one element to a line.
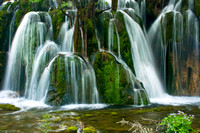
<point>11,97</point>
<point>176,100</point>
<point>84,106</point>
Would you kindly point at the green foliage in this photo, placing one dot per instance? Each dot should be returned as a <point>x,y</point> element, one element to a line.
<point>67,4</point>
<point>113,82</point>
<point>177,122</point>
<point>57,20</point>
<point>46,122</point>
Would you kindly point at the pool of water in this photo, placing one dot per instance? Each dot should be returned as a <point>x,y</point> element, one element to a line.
<point>102,117</point>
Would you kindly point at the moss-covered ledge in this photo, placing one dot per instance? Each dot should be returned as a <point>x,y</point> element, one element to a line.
<point>8,107</point>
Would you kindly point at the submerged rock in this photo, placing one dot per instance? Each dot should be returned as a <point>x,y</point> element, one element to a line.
<point>72,129</point>
<point>8,107</point>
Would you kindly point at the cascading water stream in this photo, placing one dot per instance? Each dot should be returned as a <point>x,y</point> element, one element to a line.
<point>79,75</point>
<point>143,58</point>
<point>28,37</point>
<point>174,30</point>
<point>66,36</point>
<point>49,50</point>
<point>12,24</point>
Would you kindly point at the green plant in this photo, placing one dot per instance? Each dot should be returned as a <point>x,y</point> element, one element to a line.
<point>177,122</point>
<point>46,122</point>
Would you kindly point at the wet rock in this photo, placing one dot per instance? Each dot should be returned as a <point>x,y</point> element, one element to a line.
<point>114,82</point>
<point>8,107</point>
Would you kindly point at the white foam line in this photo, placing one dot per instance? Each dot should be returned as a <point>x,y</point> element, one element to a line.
<point>176,100</point>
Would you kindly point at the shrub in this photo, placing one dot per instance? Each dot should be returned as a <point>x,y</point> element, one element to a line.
<point>177,122</point>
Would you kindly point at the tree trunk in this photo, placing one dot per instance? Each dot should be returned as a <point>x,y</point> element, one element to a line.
<point>114,5</point>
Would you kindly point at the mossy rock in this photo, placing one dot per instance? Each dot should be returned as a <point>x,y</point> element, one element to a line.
<point>58,18</point>
<point>8,107</point>
<point>134,16</point>
<point>92,44</point>
<point>167,27</point>
<point>5,19</point>
<point>72,129</point>
<point>70,81</point>
<point>153,10</point>
<point>89,130</point>
<point>102,25</point>
<point>114,82</point>
<point>3,59</point>
<point>125,44</point>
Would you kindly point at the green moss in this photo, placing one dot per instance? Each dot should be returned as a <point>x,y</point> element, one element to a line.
<point>167,27</point>
<point>102,24</point>
<point>89,130</point>
<point>125,46</point>
<point>58,88</point>
<point>113,82</point>
<point>113,113</point>
<point>88,115</point>
<point>92,44</point>
<point>197,7</point>
<point>5,19</point>
<point>58,18</point>
<point>72,129</point>
<point>8,107</point>
<point>19,16</point>
<point>107,78</point>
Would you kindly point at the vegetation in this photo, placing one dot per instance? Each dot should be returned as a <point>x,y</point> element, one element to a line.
<point>46,122</point>
<point>177,122</point>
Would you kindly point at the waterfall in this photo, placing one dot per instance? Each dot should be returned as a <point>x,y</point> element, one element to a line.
<point>53,3</point>
<point>3,4</point>
<point>175,30</point>
<point>49,50</point>
<point>11,30</point>
<point>143,58</point>
<point>130,76</point>
<point>65,36</point>
<point>29,36</point>
<point>78,74</point>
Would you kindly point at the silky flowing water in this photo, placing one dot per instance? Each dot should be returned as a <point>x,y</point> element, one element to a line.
<point>33,53</point>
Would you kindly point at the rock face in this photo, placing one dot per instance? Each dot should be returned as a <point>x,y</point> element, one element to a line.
<point>179,30</point>
<point>115,82</point>
<point>3,58</point>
